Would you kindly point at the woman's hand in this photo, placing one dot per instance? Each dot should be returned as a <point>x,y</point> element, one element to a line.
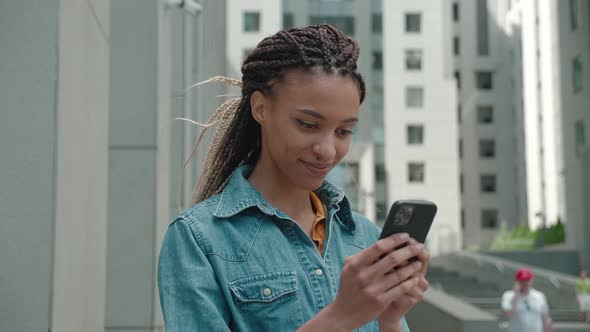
<point>377,280</point>
<point>390,319</point>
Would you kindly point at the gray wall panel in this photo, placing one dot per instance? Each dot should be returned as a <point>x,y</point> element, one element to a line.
<point>133,73</point>
<point>132,177</point>
<point>28,74</point>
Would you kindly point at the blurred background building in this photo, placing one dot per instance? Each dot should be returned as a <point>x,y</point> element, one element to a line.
<point>421,131</point>
<point>488,143</point>
<point>480,106</point>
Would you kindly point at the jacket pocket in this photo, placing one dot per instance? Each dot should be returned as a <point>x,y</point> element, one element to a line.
<point>267,302</point>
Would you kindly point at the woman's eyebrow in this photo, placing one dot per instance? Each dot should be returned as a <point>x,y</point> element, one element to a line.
<point>321,117</point>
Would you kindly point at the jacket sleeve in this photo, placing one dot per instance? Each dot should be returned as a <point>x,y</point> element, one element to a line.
<point>190,295</point>
<point>405,326</point>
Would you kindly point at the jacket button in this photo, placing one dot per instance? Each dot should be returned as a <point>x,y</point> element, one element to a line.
<point>266,292</point>
<point>319,272</point>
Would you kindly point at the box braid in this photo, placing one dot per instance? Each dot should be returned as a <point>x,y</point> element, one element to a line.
<point>237,139</point>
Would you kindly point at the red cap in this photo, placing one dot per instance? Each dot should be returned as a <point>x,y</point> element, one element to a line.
<point>524,275</point>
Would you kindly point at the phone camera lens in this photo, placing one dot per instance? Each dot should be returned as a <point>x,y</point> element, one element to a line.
<point>403,215</point>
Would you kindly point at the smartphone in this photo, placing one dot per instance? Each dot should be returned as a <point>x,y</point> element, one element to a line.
<point>410,216</point>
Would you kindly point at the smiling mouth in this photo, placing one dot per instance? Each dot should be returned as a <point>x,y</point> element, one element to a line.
<point>317,169</point>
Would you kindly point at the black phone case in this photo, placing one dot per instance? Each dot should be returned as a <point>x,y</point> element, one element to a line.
<point>419,225</point>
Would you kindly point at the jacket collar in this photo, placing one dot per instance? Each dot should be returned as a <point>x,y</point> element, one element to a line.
<point>239,195</point>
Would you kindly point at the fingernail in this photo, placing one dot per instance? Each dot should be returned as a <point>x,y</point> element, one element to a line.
<point>403,236</point>
<point>418,264</point>
<point>418,246</point>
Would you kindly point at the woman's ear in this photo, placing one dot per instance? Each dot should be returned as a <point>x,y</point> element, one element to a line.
<point>258,104</point>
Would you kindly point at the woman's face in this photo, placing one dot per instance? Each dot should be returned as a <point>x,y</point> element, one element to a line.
<point>307,124</point>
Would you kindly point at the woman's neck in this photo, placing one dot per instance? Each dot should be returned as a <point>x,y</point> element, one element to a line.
<point>276,188</point>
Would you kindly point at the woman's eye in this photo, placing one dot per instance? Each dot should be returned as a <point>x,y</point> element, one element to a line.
<point>307,125</point>
<point>345,132</point>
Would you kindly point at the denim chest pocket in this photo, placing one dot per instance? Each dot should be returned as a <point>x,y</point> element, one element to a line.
<point>267,302</point>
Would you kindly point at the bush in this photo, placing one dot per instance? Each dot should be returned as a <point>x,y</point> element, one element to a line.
<point>522,238</point>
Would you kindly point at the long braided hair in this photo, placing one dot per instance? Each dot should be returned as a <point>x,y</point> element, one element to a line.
<point>237,138</point>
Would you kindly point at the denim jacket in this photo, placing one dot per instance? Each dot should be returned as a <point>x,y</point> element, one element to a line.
<point>235,263</point>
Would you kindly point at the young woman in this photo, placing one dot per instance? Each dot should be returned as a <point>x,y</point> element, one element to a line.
<point>269,245</point>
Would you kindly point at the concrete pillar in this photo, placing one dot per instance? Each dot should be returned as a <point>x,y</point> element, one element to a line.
<point>81,166</point>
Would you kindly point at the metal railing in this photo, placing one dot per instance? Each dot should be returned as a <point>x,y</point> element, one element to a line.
<point>557,279</point>
<point>559,288</point>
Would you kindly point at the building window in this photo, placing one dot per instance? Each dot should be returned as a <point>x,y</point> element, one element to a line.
<point>414,59</point>
<point>414,97</point>
<point>455,11</point>
<point>413,23</point>
<point>580,134</point>
<point>342,23</point>
<point>459,113</point>
<point>377,60</point>
<point>577,74</point>
<point>483,39</point>
<point>458,79</point>
<point>489,218</point>
<point>288,21</point>
<point>415,134</point>
<point>377,23</point>
<point>380,174</point>
<point>456,46</point>
<point>483,79</point>
<point>251,21</point>
<point>461,183</point>
<point>487,148</point>
<point>485,114</point>
<point>460,149</point>
<point>574,18</point>
<point>416,172</point>
<point>488,183</point>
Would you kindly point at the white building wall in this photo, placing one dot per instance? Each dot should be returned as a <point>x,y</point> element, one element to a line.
<point>532,106</point>
<point>439,151</point>
<point>509,198</point>
<point>79,271</point>
<point>237,40</point>
<point>542,123</point>
<point>553,153</point>
<point>469,98</point>
<point>555,164</point>
<point>573,108</point>
<point>514,32</point>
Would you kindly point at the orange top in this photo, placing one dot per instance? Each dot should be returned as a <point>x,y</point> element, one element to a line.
<point>318,230</point>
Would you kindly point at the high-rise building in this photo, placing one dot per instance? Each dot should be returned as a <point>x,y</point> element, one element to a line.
<point>492,179</point>
<point>537,105</point>
<point>530,26</point>
<point>419,114</point>
<point>571,58</point>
